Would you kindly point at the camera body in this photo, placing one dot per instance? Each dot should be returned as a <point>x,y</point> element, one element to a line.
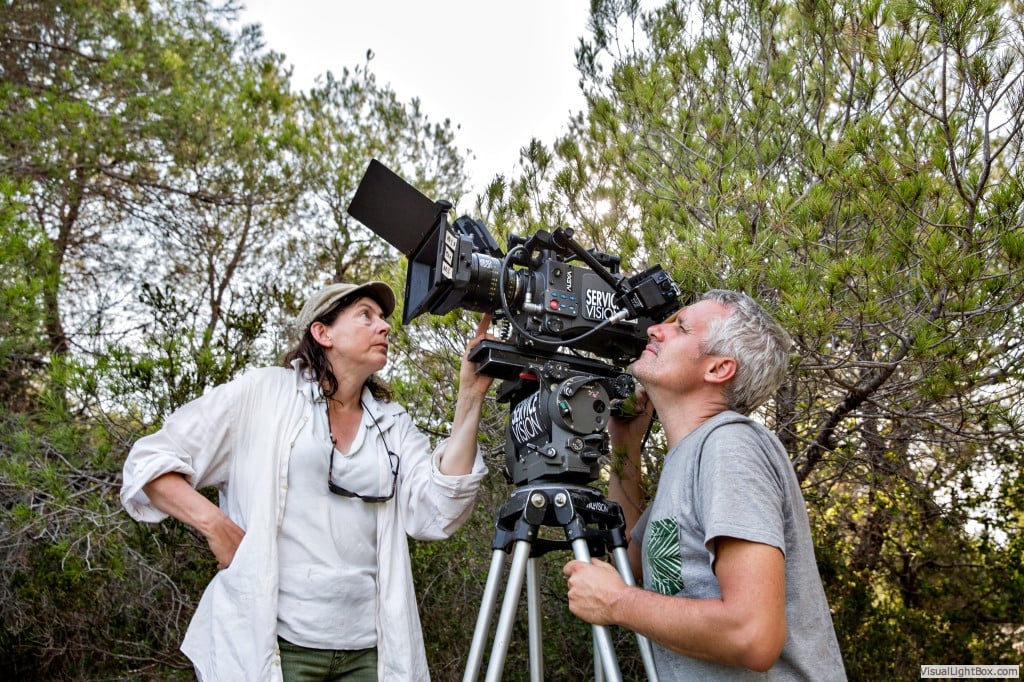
<point>549,294</point>
<point>548,299</point>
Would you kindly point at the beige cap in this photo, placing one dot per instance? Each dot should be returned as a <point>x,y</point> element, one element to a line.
<point>325,299</point>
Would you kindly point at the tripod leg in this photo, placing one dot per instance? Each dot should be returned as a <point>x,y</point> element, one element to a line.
<point>644,644</point>
<point>503,633</point>
<point>602,638</point>
<point>483,620</point>
<point>534,614</point>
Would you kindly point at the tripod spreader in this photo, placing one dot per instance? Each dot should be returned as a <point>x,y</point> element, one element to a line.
<point>580,511</point>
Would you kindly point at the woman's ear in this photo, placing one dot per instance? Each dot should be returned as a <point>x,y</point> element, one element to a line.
<point>319,332</point>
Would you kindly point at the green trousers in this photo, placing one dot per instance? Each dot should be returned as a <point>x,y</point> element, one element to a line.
<point>300,664</point>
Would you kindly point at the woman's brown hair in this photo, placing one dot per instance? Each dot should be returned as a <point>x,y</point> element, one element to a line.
<point>311,356</point>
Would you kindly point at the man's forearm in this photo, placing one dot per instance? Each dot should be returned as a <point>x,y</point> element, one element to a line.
<point>625,489</point>
<point>624,483</point>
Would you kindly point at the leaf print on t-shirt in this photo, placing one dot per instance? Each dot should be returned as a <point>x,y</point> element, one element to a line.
<point>664,557</point>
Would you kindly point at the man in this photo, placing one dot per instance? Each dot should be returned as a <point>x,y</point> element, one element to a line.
<point>730,584</point>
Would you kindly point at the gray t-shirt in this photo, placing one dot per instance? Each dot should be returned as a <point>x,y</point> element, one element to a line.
<point>731,477</point>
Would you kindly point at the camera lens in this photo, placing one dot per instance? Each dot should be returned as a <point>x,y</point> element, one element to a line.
<point>482,292</point>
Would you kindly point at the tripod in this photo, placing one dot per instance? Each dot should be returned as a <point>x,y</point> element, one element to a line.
<point>591,525</point>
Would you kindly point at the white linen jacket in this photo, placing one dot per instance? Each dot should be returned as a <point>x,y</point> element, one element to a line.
<point>238,437</point>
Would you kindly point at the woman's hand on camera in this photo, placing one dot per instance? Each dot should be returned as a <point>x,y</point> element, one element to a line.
<point>469,379</point>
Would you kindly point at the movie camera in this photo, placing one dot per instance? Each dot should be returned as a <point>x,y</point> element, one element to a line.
<point>558,305</point>
<point>549,294</point>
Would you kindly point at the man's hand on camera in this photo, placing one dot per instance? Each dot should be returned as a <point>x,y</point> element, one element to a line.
<point>636,416</point>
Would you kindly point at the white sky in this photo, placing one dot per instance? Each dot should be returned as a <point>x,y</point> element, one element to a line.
<point>503,71</point>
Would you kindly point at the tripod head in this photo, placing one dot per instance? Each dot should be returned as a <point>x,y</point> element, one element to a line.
<point>559,407</point>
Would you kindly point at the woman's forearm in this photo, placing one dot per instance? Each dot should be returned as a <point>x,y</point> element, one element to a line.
<point>173,495</point>
<point>460,452</point>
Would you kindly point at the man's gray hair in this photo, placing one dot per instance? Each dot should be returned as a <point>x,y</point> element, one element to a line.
<point>757,342</point>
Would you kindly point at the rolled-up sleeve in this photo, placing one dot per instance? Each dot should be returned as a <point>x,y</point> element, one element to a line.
<point>192,442</point>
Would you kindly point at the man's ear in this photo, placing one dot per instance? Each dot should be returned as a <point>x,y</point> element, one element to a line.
<point>721,369</point>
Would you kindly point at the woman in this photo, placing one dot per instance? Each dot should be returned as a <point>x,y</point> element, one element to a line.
<point>321,479</point>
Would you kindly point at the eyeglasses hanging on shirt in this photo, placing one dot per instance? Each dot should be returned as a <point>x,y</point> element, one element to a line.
<point>392,457</point>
